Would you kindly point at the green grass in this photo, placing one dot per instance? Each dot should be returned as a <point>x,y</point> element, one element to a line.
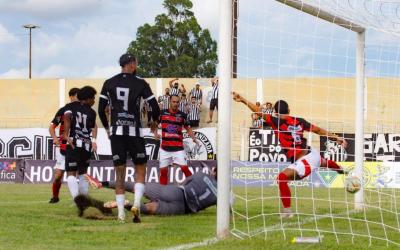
<point>27,221</point>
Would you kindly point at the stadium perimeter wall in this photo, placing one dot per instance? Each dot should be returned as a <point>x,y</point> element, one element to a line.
<point>329,102</point>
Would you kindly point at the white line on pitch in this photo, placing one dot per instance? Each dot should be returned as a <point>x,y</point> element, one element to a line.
<point>205,242</point>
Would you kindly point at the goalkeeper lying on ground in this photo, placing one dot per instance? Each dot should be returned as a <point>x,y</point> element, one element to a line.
<point>196,193</point>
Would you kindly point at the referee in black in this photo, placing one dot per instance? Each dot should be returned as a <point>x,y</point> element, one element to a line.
<point>123,93</point>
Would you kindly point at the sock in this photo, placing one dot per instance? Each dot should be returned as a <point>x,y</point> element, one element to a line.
<point>186,171</point>
<point>73,186</point>
<point>83,185</point>
<point>56,189</point>
<point>164,176</point>
<point>333,165</point>
<point>107,184</point>
<point>120,198</point>
<point>284,190</point>
<point>139,190</point>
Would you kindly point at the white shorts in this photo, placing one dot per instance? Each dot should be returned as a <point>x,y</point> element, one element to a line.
<point>60,164</point>
<point>306,164</point>
<point>176,157</point>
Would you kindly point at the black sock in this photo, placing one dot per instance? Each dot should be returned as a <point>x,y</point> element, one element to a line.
<point>105,183</point>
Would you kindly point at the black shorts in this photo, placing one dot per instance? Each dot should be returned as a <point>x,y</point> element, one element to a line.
<point>213,104</point>
<point>194,123</point>
<point>122,144</point>
<point>77,159</point>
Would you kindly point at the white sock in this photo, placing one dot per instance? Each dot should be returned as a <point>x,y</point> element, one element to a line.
<point>139,190</point>
<point>120,198</point>
<point>73,186</point>
<point>83,185</point>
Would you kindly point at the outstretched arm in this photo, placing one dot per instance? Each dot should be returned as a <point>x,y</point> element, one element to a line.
<point>329,135</point>
<point>171,82</point>
<point>238,98</point>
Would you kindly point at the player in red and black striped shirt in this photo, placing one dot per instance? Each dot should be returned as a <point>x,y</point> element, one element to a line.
<point>172,122</point>
<point>61,145</point>
<point>289,130</point>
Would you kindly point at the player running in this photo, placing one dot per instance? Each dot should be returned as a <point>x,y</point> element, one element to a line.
<point>123,93</point>
<point>171,152</point>
<point>304,159</point>
<point>61,145</point>
<point>80,133</point>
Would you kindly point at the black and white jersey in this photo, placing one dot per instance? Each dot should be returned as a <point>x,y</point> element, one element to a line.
<point>194,112</point>
<point>200,191</point>
<point>174,91</point>
<point>83,120</point>
<point>196,93</point>
<point>214,91</point>
<point>183,104</point>
<point>124,93</point>
<point>164,101</point>
<point>258,123</point>
<point>267,111</point>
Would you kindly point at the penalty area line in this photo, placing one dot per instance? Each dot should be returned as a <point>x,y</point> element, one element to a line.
<point>205,242</point>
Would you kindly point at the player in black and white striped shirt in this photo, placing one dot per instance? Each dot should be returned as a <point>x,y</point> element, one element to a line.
<point>163,101</point>
<point>194,113</point>
<point>175,90</point>
<point>183,104</point>
<point>123,94</point>
<point>214,98</point>
<point>197,93</point>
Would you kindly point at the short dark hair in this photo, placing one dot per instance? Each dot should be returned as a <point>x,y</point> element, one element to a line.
<point>281,107</point>
<point>175,96</point>
<point>87,92</point>
<point>73,91</point>
<point>126,58</point>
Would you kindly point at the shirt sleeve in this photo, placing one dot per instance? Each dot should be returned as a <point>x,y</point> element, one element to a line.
<point>104,91</point>
<point>306,125</point>
<point>147,94</point>
<point>57,118</point>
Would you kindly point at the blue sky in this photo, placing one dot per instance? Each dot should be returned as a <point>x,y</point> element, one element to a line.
<point>84,38</point>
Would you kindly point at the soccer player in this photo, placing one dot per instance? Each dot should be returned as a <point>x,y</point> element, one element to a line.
<point>171,152</point>
<point>163,100</point>
<point>61,145</point>
<point>174,85</point>
<point>194,113</point>
<point>80,133</point>
<point>196,193</point>
<point>123,93</point>
<point>214,98</point>
<point>197,93</point>
<point>304,159</point>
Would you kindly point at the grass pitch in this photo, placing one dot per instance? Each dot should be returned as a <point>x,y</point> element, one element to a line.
<point>28,221</point>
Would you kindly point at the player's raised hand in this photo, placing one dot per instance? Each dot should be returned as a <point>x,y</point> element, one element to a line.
<point>237,97</point>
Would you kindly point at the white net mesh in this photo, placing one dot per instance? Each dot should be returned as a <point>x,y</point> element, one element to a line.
<point>311,63</point>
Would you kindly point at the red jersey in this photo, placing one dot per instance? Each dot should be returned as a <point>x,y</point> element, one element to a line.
<point>172,124</point>
<point>290,132</point>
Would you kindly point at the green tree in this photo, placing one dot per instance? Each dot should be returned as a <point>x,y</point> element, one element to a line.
<point>176,45</point>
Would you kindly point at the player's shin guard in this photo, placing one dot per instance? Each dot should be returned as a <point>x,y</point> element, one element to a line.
<point>284,189</point>
<point>139,191</point>
<point>83,185</point>
<point>73,186</point>
<point>163,176</point>
<point>186,171</point>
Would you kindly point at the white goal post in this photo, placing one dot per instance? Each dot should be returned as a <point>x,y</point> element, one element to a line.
<point>224,125</point>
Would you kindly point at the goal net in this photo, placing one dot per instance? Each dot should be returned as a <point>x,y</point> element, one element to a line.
<point>336,63</point>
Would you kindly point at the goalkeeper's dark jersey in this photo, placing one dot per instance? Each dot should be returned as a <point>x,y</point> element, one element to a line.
<point>200,191</point>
